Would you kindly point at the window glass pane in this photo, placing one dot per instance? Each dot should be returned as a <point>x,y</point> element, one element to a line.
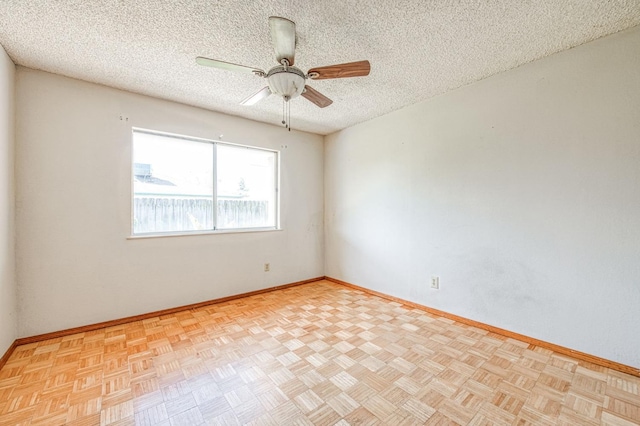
<point>172,184</point>
<point>246,187</point>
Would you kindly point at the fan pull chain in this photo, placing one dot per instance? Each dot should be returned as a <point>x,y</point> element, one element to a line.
<point>286,112</point>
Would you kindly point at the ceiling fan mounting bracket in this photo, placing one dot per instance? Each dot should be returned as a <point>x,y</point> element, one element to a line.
<point>282,69</point>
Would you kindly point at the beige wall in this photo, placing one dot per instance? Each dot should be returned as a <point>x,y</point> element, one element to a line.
<point>8,301</point>
<point>521,192</point>
<point>73,171</point>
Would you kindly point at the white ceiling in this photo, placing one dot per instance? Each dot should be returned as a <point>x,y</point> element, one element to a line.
<point>417,48</point>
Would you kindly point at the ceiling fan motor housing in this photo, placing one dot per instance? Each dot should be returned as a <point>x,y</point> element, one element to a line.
<point>287,82</point>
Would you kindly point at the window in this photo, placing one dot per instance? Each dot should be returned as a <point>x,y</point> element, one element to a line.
<point>178,180</point>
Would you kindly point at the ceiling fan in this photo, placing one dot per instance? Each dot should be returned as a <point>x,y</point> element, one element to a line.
<point>285,79</point>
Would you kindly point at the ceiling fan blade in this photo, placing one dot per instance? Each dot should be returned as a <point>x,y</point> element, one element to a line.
<point>316,97</point>
<point>257,97</point>
<point>352,69</point>
<point>227,65</point>
<point>283,37</point>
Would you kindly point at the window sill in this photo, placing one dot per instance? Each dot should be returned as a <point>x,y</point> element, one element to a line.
<point>200,233</point>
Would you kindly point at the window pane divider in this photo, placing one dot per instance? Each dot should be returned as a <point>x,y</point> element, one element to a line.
<point>214,208</point>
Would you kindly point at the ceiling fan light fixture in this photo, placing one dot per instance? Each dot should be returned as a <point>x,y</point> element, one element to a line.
<point>287,82</point>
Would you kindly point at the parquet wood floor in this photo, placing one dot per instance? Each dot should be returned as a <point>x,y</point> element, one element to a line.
<point>317,354</point>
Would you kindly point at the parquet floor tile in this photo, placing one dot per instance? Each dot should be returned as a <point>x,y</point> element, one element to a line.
<point>317,354</point>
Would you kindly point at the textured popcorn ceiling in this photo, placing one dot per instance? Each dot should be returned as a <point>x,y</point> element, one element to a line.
<point>417,48</point>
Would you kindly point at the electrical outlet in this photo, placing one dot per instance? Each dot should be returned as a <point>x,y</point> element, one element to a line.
<point>435,282</point>
<point>267,267</point>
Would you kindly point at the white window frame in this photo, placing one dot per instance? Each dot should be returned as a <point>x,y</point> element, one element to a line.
<point>215,143</point>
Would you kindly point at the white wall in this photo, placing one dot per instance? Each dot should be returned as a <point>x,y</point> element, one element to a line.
<point>8,301</point>
<point>522,192</point>
<point>73,172</point>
